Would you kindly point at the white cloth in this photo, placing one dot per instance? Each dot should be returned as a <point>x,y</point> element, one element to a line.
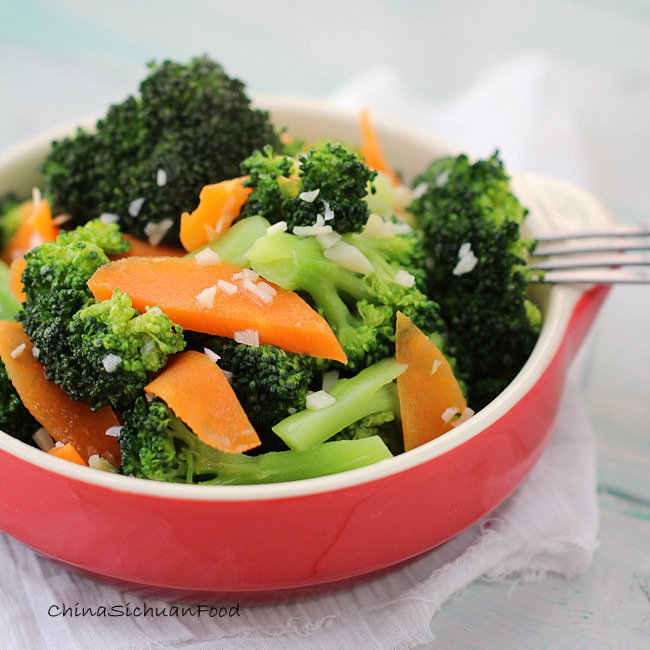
<point>548,525</point>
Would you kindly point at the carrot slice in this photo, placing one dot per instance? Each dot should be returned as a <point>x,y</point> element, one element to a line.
<point>37,226</point>
<point>141,248</point>
<point>67,452</point>
<point>219,299</point>
<point>219,205</point>
<point>65,419</point>
<point>16,269</point>
<point>198,392</point>
<point>371,149</point>
<point>430,398</point>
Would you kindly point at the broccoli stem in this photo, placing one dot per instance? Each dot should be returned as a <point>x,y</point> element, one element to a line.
<point>355,397</point>
<point>278,466</point>
<point>9,306</point>
<point>11,216</point>
<point>298,263</point>
<point>232,245</point>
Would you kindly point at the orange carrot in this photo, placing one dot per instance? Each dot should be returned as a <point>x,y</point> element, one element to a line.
<point>219,205</point>
<point>67,452</point>
<point>65,419</point>
<point>37,226</point>
<point>219,299</point>
<point>16,269</point>
<point>371,149</point>
<point>141,248</point>
<point>199,394</point>
<point>431,401</point>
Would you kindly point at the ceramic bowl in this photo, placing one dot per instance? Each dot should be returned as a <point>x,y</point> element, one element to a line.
<point>271,542</point>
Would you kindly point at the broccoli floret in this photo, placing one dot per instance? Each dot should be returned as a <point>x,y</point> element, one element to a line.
<point>467,209</point>
<point>189,125</point>
<point>15,419</point>
<point>55,287</point>
<point>112,347</point>
<point>336,176</point>
<point>397,278</point>
<point>273,179</point>
<point>55,283</point>
<point>269,382</point>
<point>105,235</point>
<point>369,392</point>
<point>156,445</point>
<point>147,443</point>
<point>360,307</point>
<point>98,352</point>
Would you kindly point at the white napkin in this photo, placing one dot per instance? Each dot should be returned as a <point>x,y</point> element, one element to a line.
<point>548,525</point>
<point>521,108</point>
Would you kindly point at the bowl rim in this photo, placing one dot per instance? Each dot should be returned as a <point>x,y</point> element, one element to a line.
<point>562,300</point>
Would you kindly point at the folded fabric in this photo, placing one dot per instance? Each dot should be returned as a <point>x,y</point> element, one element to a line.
<point>520,108</point>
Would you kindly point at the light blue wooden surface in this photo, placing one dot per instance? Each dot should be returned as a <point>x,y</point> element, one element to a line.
<point>62,59</point>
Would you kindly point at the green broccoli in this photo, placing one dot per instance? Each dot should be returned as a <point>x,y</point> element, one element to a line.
<point>9,306</point>
<point>396,243</point>
<point>384,423</point>
<point>328,183</point>
<point>156,445</point>
<point>348,402</point>
<point>98,352</point>
<point>15,419</point>
<point>360,306</point>
<point>56,274</point>
<point>55,286</point>
<point>471,223</point>
<point>112,347</point>
<point>269,382</point>
<point>231,246</point>
<point>273,179</point>
<point>146,162</point>
<point>10,218</point>
<point>105,235</point>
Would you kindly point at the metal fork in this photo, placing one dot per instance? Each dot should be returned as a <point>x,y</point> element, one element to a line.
<point>618,254</point>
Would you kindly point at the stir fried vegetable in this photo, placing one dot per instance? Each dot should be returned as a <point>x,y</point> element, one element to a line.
<point>247,311</point>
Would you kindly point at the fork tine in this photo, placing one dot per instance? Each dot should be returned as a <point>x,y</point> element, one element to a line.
<point>587,261</point>
<point>594,256</point>
<point>615,230</point>
<point>606,244</point>
<point>594,276</point>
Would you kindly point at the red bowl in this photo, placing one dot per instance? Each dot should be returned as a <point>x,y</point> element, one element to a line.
<point>269,542</point>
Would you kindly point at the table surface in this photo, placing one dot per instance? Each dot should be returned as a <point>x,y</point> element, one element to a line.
<point>59,60</point>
